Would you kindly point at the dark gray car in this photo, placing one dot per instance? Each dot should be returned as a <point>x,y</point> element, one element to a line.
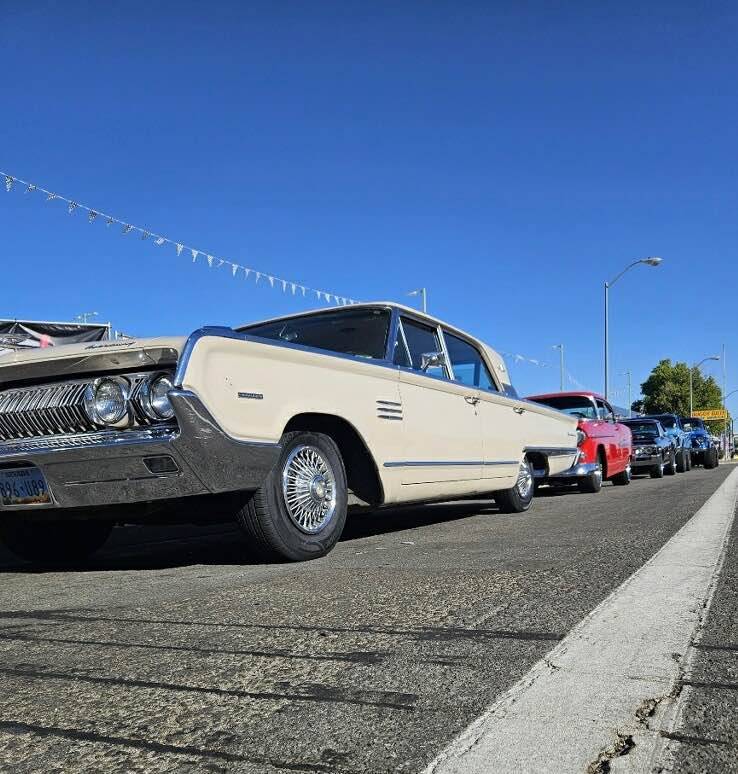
<point>653,449</point>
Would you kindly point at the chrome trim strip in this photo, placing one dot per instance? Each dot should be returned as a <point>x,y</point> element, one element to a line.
<point>448,463</point>
<point>551,451</point>
<point>389,403</point>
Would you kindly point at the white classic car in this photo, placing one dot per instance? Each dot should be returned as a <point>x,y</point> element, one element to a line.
<point>281,425</point>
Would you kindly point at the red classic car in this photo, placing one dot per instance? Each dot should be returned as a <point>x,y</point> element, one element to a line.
<point>605,445</point>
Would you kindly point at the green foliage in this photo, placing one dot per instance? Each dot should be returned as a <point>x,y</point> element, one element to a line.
<point>666,391</point>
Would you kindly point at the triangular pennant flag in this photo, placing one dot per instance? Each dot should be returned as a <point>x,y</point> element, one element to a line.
<point>303,289</point>
<point>220,263</point>
<point>91,215</point>
<point>159,241</point>
<point>127,228</point>
<point>145,235</point>
<point>318,294</point>
<point>246,272</point>
<point>258,277</point>
<point>294,288</point>
<point>210,261</point>
<point>72,207</point>
<point>234,268</point>
<point>9,183</point>
<point>109,221</point>
<point>195,253</point>
<point>284,286</point>
<point>180,247</point>
<point>271,280</point>
<point>50,196</point>
<point>31,188</point>
<point>327,297</point>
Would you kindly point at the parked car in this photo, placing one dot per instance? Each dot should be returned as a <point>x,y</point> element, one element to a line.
<point>680,437</point>
<point>605,444</point>
<point>279,424</point>
<point>653,448</point>
<point>703,452</point>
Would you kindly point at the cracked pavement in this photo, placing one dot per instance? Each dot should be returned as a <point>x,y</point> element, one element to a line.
<point>174,651</point>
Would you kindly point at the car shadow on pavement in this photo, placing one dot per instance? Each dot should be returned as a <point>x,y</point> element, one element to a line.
<point>170,547</point>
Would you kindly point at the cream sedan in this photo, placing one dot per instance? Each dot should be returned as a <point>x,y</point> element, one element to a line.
<point>282,425</point>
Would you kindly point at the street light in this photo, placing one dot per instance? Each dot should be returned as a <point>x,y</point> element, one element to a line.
<point>560,347</point>
<point>650,261</point>
<point>424,296</point>
<point>704,360</point>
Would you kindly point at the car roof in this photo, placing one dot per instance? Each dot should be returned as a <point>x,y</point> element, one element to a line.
<point>570,394</point>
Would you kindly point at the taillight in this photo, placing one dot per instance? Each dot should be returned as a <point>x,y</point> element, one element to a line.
<point>581,437</point>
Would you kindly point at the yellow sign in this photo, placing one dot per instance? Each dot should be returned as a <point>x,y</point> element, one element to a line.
<point>711,414</point>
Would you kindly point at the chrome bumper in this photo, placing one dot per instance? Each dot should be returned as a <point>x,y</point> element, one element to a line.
<point>115,468</point>
<point>577,470</point>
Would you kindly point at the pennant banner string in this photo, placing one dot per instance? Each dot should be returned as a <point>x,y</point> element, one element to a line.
<point>159,240</point>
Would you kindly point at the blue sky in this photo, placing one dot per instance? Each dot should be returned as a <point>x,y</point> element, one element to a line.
<point>508,156</point>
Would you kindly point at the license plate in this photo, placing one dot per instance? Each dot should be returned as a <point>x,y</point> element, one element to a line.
<point>23,487</point>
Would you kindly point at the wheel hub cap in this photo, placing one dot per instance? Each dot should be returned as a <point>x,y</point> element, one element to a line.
<point>525,480</point>
<point>308,489</point>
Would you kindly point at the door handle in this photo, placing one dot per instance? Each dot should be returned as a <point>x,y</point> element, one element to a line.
<point>472,399</point>
<point>518,409</point>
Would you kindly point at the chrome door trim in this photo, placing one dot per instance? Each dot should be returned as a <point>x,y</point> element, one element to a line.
<point>446,463</point>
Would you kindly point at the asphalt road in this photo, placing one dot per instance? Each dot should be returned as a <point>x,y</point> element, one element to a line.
<point>173,651</point>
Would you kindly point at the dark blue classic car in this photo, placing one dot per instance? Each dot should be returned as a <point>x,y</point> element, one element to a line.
<point>681,439</point>
<point>653,449</point>
<point>703,452</point>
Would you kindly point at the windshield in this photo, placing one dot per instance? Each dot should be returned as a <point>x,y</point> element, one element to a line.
<point>360,332</point>
<point>575,405</point>
<point>693,423</point>
<point>667,421</point>
<point>643,428</point>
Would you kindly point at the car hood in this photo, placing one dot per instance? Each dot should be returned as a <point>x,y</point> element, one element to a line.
<point>89,357</point>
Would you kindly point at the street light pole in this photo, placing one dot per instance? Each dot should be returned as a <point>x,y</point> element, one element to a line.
<point>560,347</point>
<point>423,293</point>
<point>697,365</point>
<point>651,261</point>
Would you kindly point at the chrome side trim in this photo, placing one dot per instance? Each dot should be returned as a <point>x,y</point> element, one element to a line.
<point>447,463</point>
<point>551,451</point>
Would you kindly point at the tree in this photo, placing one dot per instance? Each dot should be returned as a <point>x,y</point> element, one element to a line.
<point>666,391</point>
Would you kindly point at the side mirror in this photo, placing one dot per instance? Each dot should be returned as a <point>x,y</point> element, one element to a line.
<point>432,360</point>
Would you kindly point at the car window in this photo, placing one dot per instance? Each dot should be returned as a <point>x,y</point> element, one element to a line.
<point>422,340</point>
<point>604,411</point>
<point>400,355</point>
<point>360,332</point>
<point>467,364</point>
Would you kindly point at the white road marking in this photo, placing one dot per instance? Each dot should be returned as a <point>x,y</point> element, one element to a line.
<point>572,704</point>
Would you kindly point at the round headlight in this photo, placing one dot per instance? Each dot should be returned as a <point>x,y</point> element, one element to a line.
<point>106,401</point>
<point>155,401</point>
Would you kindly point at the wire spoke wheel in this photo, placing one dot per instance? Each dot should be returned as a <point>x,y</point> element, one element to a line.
<point>525,480</point>
<point>309,489</point>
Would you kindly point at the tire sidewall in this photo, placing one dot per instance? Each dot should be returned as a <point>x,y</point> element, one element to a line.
<point>293,542</point>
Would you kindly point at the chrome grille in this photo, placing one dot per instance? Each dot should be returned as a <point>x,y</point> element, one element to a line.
<point>57,409</point>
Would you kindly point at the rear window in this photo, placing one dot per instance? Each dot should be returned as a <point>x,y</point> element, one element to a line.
<point>359,332</point>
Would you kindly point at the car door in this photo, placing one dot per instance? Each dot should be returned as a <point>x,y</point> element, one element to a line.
<point>607,434</point>
<point>442,439</point>
<point>500,422</point>
<point>619,437</point>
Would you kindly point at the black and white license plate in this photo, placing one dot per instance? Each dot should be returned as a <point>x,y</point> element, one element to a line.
<point>23,487</point>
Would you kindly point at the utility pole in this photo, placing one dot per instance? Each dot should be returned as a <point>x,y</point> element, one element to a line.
<point>630,397</point>
<point>560,347</point>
